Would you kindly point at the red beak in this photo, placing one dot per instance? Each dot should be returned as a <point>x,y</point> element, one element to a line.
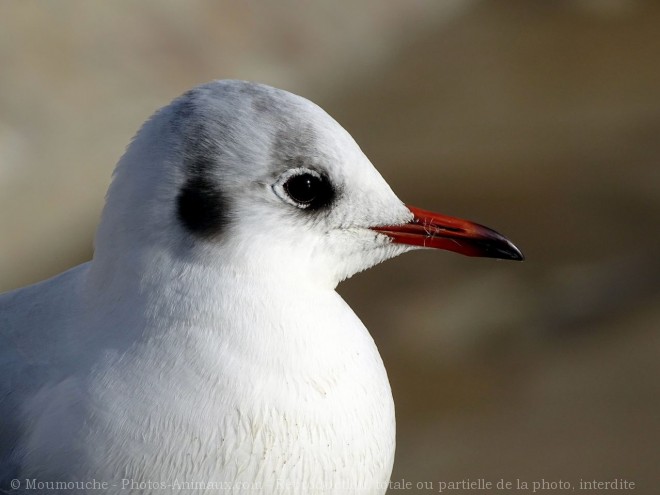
<point>433,230</point>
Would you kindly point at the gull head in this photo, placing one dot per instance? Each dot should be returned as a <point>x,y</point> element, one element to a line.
<point>244,177</point>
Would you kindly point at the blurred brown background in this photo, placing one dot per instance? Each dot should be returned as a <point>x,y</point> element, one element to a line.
<point>540,119</point>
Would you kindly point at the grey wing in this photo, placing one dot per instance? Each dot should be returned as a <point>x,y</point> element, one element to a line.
<point>31,328</point>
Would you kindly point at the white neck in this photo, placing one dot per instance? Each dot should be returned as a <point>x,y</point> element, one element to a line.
<point>294,360</point>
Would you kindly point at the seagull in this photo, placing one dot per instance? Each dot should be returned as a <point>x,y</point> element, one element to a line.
<point>204,345</point>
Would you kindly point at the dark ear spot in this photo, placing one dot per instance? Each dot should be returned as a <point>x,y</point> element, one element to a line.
<point>201,207</point>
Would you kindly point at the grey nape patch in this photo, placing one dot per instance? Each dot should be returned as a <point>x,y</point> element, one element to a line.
<point>265,99</point>
<point>184,108</point>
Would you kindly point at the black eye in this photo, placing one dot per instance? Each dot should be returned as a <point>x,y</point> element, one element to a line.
<point>304,188</point>
<point>307,189</point>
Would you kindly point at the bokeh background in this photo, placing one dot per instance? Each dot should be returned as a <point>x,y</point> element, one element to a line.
<point>538,118</point>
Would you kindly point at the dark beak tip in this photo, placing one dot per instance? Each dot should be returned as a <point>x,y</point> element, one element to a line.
<point>517,255</point>
<point>495,245</point>
<point>510,252</point>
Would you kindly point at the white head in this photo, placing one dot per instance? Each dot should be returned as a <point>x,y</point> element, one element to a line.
<point>241,175</point>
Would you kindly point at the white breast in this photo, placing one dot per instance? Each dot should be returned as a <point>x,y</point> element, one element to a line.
<point>298,406</point>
